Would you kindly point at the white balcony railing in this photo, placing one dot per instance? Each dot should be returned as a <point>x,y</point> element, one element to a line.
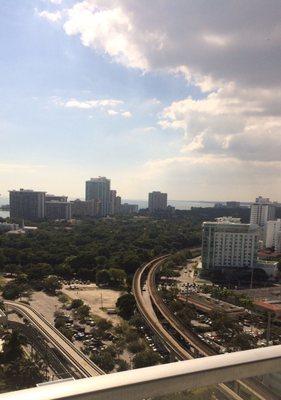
<point>160,380</point>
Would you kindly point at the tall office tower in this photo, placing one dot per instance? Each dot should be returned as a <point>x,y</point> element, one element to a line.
<point>99,189</point>
<point>229,243</point>
<point>118,205</point>
<point>157,201</point>
<point>273,235</point>
<point>58,210</point>
<point>261,212</point>
<point>27,204</point>
<point>84,209</point>
<point>112,204</point>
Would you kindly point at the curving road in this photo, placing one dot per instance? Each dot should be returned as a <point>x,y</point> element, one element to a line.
<point>149,271</point>
<point>252,385</point>
<point>149,316</point>
<point>187,334</point>
<point>81,363</point>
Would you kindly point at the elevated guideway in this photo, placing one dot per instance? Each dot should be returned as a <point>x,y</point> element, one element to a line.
<point>159,380</point>
<point>79,361</point>
<point>146,276</point>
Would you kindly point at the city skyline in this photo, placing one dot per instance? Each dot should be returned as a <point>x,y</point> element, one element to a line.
<point>156,96</point>
<point>4,197</point>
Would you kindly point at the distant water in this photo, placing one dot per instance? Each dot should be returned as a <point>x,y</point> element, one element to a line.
<point>183,204</point>
<point>4,214</point>
<point>178,204</point>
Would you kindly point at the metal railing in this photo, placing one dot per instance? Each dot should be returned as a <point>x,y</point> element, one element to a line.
<point>161,379</point>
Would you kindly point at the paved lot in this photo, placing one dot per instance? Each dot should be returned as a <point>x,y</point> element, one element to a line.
<point>96,298</point>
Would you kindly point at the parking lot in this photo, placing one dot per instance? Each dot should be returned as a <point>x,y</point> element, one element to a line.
<point>98,299</point>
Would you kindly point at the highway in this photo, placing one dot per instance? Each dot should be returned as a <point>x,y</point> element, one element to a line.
<point>149,316</point>
<point>79,361</point>
<point>149,270</point>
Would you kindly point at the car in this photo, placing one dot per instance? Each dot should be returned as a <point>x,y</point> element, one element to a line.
<point>79,336</point>
<point>93,348</point>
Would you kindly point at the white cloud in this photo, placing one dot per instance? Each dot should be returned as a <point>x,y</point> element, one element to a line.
<point>211,177</point>
<point>106,28</point>
<point>110,106</point>
<point>126,114</point>
<point>225,42</point>
<point>224,51</point>
<point>230,121</point>
<point>112,112</point>
<point>149,129</point>
<point>87,104</point>
<point>50,16</point>
<point>56,1</point>
<point>230,52</point>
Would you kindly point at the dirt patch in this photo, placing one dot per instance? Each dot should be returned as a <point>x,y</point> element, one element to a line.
<point>45,304</point>
<point>98,299</point>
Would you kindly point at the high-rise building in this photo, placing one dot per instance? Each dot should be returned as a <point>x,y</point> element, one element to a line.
<point>58,210</point>
<point>261,212</point>
<point>229,243</point>
<point>273,235</point>
<point>84,209</point>
<point>157,201</point>
<point>118,205</point>
<point>27,204</point>
<point>262,200</point>
<point>112,205</point>
<point>99,189</point>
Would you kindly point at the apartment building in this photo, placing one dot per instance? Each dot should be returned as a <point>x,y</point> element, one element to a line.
<point>229,243</point>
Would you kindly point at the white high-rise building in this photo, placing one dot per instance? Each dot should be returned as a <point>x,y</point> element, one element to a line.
<point>261,212</point>
<point>229,243</point>
<point>273,235</point>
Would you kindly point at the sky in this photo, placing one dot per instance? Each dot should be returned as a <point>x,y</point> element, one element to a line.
<point>181,96</point>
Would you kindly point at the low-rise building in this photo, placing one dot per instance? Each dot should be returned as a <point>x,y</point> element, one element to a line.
<point>6,227</point>
<point>233,204</point>
<point>269,267</point>
<point>129,208</point>
<point>84,209</point>
<point>53,197</point>
<point>58,210</point>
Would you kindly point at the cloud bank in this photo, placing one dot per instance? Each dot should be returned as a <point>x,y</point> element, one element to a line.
<point>230,50</point>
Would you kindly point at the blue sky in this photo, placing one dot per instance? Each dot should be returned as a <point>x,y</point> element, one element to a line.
<point>73,108</point>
